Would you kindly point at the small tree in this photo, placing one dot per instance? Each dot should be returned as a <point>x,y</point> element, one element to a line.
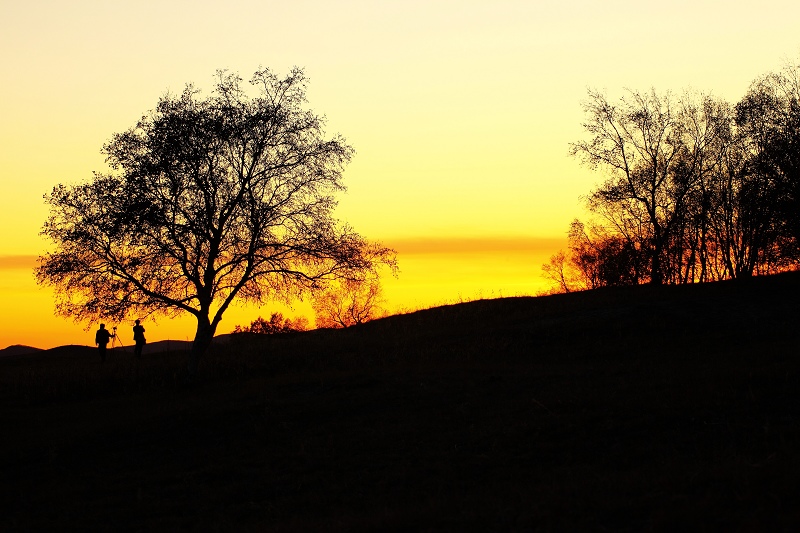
<point>560,271</point>
<point>349,302</point>
<point>209,200</point>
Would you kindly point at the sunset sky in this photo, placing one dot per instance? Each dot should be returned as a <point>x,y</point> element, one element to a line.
<point>460,111</point>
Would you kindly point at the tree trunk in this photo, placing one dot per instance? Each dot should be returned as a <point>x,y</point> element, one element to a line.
<point>202,340</point>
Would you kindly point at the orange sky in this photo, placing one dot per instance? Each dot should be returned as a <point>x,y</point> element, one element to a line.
<point>460,111</point>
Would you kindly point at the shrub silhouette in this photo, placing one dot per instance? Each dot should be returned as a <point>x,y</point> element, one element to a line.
<point>276,324</point>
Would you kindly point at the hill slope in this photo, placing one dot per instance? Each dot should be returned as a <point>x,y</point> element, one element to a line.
<point>634,408</point>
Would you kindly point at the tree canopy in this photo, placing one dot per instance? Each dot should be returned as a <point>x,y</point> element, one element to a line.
<point>208,199</point>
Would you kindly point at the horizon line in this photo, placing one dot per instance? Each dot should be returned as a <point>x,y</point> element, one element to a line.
<point>407,245</point>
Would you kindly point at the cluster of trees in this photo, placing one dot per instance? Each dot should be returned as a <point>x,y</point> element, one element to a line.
<point>276,323</point>
<point>697,189</point>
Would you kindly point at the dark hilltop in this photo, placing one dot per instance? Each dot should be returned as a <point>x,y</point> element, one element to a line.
<point>636,408</point>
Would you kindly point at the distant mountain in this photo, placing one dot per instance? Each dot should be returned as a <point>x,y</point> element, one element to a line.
<point>70,349</point>
<point>18,349</point>
<point>150,347</point>
<point>74,349</point>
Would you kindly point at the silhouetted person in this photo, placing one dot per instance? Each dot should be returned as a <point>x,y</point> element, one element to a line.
<point>138,338</point>
<point>101,339</point>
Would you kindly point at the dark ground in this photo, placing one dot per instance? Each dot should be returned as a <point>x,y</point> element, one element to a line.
<point>636,409</point>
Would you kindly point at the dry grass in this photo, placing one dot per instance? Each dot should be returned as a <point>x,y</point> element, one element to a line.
<point>629,409</point>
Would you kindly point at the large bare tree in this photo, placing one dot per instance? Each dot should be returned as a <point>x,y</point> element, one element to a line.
<point>637,143</point>
<point>207,200</point>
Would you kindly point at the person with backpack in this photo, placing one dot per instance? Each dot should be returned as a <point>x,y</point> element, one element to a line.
<point>101,339</point>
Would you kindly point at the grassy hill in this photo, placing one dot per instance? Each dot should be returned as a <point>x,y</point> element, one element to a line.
<point>624,409</point>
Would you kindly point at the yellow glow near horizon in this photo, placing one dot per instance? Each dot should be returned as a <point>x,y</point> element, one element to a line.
<point>433,272</point>
<point>460,112</point>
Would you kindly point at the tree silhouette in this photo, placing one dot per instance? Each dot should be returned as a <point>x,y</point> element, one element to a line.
<point>769,115</point>
<point>561,273</point>
<point>208,200</point>
<point>348,302</point>
<point>639,141</point>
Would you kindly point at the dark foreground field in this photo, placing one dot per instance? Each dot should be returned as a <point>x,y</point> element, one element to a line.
<point>630,409</point>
